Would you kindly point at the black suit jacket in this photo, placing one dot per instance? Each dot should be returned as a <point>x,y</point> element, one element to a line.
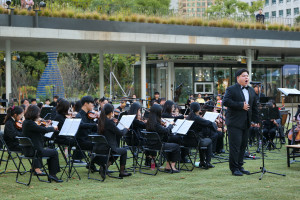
<point>234,100</point>
<point>35,133</point>
<point>87,127</point>
<point>10,134</point>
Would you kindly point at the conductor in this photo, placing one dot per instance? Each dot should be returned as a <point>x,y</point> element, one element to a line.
<point>240,100</point>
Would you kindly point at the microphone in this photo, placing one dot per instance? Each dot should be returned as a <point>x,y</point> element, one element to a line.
<point>255,83</point>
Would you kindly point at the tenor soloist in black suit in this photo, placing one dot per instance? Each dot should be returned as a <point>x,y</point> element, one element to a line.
<point>240,101</point>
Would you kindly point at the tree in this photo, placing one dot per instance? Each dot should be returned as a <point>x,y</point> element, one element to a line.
<point>256,5</point>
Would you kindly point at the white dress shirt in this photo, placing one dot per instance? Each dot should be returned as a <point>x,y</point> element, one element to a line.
<point>246,94</point>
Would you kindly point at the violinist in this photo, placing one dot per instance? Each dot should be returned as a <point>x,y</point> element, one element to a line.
<point>120,109</point>
<point>199,127</point>
<point>154,125</point>
<point>102,102</point>
<point>36,134</point>
<point>109,129</point>
<point>87,126</point>
<point>168,111</point>
<point>13,127</point>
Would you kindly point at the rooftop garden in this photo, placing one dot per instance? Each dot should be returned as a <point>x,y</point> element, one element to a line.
<point>157,13</point>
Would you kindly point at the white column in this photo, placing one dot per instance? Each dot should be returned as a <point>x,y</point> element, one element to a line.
<point>170,81</point>
<point>8,68</point>
<point>250,56</point>
<point>101,74</point>
<point>158,82</point>
<point>143,74</point>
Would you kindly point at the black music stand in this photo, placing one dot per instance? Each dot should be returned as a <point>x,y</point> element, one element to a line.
<point>46,112</point>
<point>2,118</point>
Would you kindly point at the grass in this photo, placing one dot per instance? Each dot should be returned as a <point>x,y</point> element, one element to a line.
<point>215,183</point>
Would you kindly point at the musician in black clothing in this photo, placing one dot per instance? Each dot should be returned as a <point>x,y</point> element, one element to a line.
<point>54,102</point>
<point>108,128</point>
<point>154,125</point>
<point>12,130</point>
<point>87,126</point>
<point>156,99</point>
<point>200,126</point>
<point>36,134</point>
<point>168,111</point>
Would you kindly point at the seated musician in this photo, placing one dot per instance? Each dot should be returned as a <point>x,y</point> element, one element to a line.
<point>103,101</point>
<point>108,128</point>
<point>200,99</point>
<point>221,130</point>
<point>13,127</point>
<point>198,127</point>
<point>88,126</point>
<point>36,133</point>
<point>154,125</point>
<point>137,125</point>
<point>270,126</point>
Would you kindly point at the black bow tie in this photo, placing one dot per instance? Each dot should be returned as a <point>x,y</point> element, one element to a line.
<point>246,87</point>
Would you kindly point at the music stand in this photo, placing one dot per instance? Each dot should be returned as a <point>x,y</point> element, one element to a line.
<point>2,118</point>
<point>45,112</point>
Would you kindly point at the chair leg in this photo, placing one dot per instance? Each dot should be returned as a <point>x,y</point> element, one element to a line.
<point>31,172</point>
<point>109,174</point>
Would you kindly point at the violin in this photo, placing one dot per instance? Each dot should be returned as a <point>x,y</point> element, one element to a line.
<point>91,115</point>
<point>18,125</point>
<point>42,122</point>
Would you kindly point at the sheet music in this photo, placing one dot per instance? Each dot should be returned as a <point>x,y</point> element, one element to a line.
<point>49,135</point>
<point>184,128</point>
<point>126,121</point>
<point>211,116</point>
<point>167,121</point>
<point>55,123</point>
<point>177,125</point>
<point>287,91</point>
<point>70,127</point>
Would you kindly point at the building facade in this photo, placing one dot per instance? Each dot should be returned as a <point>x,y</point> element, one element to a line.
<point>194,8</point>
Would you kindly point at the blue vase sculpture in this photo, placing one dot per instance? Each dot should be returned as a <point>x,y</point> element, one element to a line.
<point>51,79</point>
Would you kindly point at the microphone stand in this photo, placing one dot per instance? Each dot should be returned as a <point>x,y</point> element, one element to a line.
<point>263,169</point>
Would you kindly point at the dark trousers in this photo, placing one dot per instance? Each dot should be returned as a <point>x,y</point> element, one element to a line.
<point>53,162</point>
<point>220,142</point>
<point>269,134</point>
<point>214,139</point>
<point>123,156</point>
<point>206,142</point>
<point>177,139</point>
<point>174,155</point>
<point>238,139</point>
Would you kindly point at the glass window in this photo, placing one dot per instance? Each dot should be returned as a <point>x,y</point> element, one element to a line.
<point>267,15</point>
<point>288,12</point>
<point>290,76</point>
<point>273,82</point>
<point>183,80</point>
<point>273,13</point>
<point>296,11</point>
<point>204,88</point>
<point>221,79</point>
<point>280,1</point>
<point>267,2</point>
<point>288,1</point>
<point>273,2</point>
<point>203,74</point>
<point>280,13</point>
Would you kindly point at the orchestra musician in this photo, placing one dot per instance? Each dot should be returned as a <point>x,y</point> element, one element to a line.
<point>36,133</point>
<point>154,125</point>
<point>156,99</point>
<point>108,128</point>
<point>87,127</point>
<point>200,127</point>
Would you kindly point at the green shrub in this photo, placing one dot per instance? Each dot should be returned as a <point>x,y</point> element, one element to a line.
<point>46,13</point>
<point>133,18</point>
<point>157,20</point>
<point>88,16</point>
<point>80,16</point>
<point>112,18</point>
<point>31,13</point>
<point>142,19</point>
<point>70,14</point>
<point>23,12</point>
<point>63,14</point>
<point>103,17</point>
<point>96,16</point>
<point>1,10</point>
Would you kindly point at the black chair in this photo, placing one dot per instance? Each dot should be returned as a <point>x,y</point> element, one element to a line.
<point>133,143</point>
<point>10,156</point>
<point>102,151</point>
<point>191,142</point>
<point>31,155</point>
<point>153,143</point>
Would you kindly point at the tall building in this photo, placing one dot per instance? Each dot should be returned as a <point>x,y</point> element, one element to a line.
<point>280,11</point>
<point>194,8</point>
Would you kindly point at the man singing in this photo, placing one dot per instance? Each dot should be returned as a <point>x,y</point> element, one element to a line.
<point>240,100</point>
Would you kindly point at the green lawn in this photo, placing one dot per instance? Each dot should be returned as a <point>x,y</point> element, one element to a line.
<point>199,184</point>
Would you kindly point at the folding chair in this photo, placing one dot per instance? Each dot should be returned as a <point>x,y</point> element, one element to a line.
<point>192,142</point>
<point>103,151</point>
<point>30,154</point>
<point>9,157</point>
<point>154,144</point>
<point>134,145</point>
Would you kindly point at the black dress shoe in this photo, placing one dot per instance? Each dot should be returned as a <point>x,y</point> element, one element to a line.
<point>237,173</point>
<point>40,174</point>
<point>244,171</point>
<point>54,178</point>
<point>124,174</point>
<point>210,165</point>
